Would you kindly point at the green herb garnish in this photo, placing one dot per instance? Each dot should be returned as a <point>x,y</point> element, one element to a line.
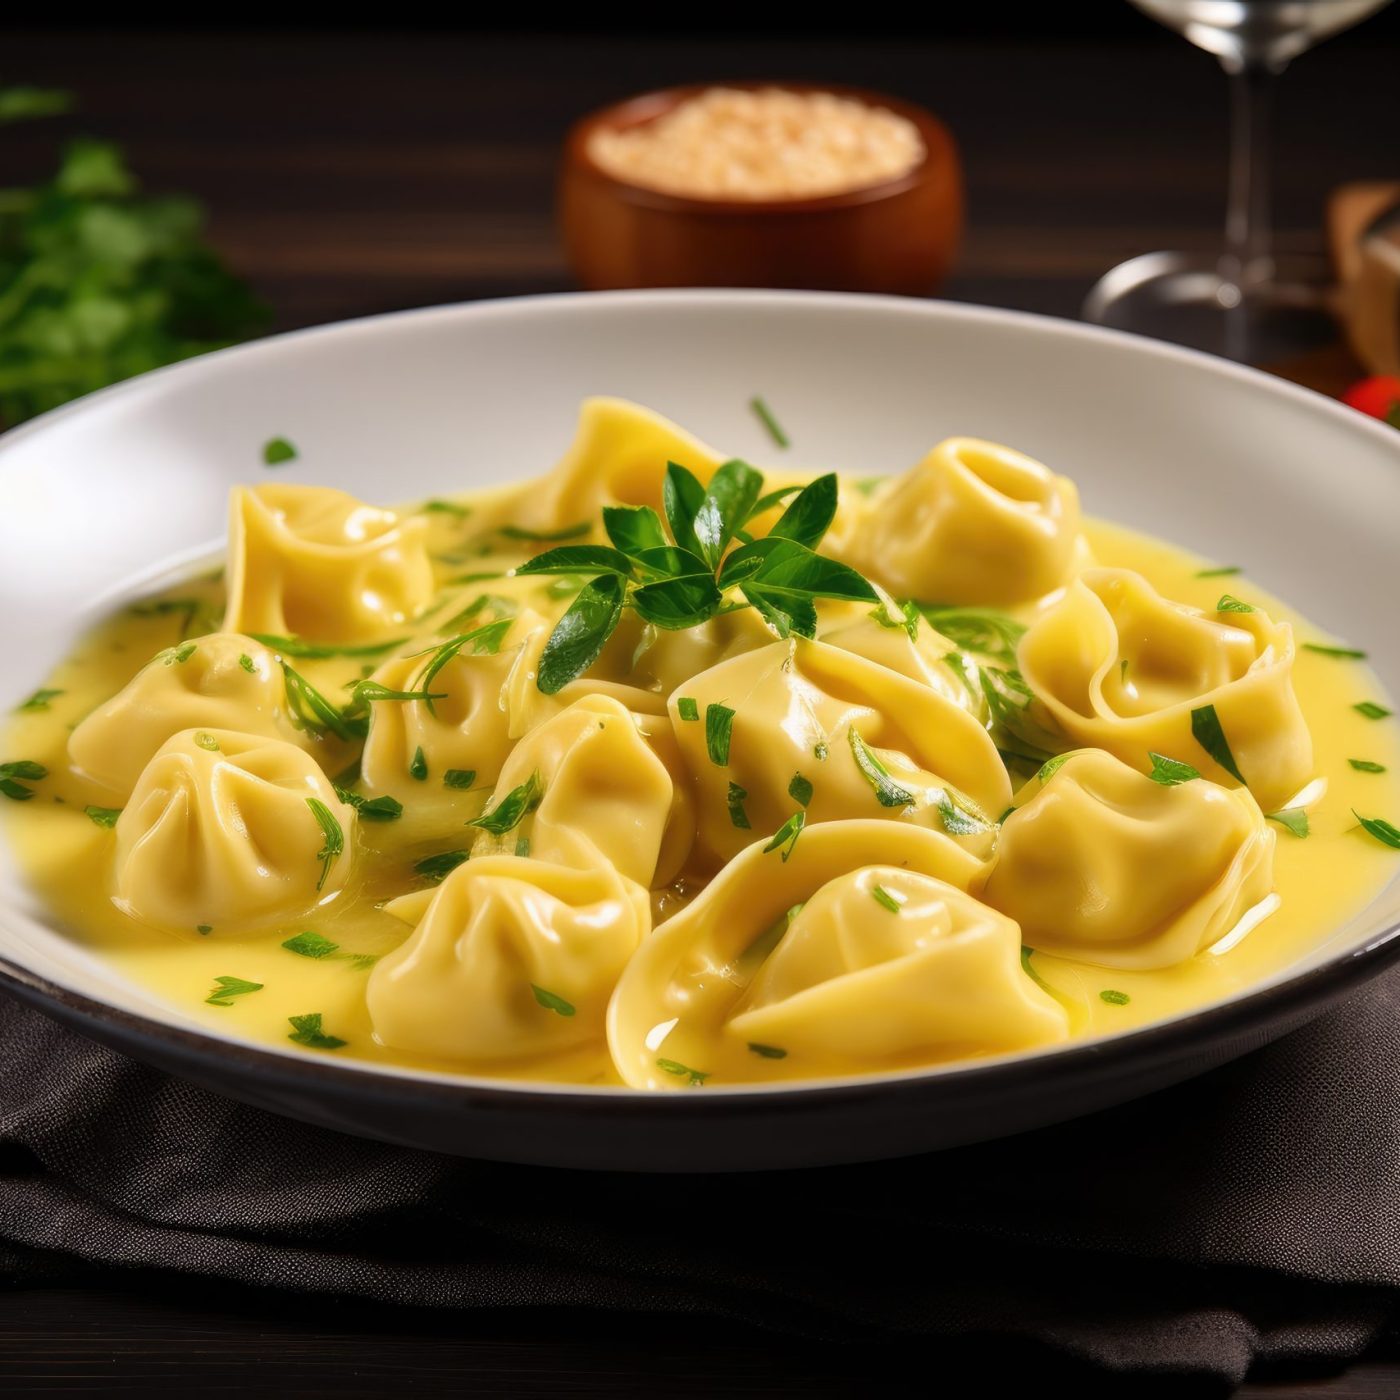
<point>204,740</point>
<point>441,507</point>
<point>1366,765</point>
<point>226,988</point>
<point>176,656</point>
<point>1344,653</point>
<point>311,945</point>
<point>513,808</point>
<point>765,416</point>
<point>310,710</point>
<point>1294,819</point>
<point>566,532</point>
<point>1223,571</point>
<point>103,816</point>
<point>1371,710</point>
<point>1115,998</point>
<point>551,1002</point>
<point>372,809</point>
<point>459,777</point>
<point>333,844</point>
<point>24,768</point>
<point>41,698</point>
<point>691,1076</point>
<point>1228,603</point>
<point>437,868</point>
<point>277,451</point>
<point>785,838</point>
<point>318,651</point>
<point>958,821</point>
<point>1206,729</point>
<point>735,800</point>
<point>306,1030</point>
<point>1171,772</point>
<point>418,765</point>
<point>887,792</point>
<point>246,662</point>
<point>687,708</point>
<point>800,790</point>
<point>1026,966</point>
<point>1051,766</point>
<point>767,1052</point>
<point>982,630</point>
<point>1382,830</point>
<point>883,897</point>
<point>204,928</point>
<point>719,730</point>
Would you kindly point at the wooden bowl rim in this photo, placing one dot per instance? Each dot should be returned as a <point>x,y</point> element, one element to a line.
<point>939,151</point>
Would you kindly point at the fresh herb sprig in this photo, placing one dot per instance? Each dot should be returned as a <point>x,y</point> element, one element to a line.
<point>680,573</point>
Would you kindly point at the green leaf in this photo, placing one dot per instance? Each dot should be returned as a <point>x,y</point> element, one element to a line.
<point>373,809</point>
<point>687,708</point>
<point>634,529</point>
<point>24,768</point>
<point>1228,603</point>
<point>678,603</point>
<point>765,416</point>
<point>103,816</point>
<point>681,497</point>
<point>310,945</point>
<point>578,559</point>
<point>94,170</point>
<point>719,729</point>
<point>957,821</point>
<point>906,619</point>
<point>566,532</point>
<point>16,792</point>
<point>767,1052</point>
<point>437,868</point>
<point>18,104</point>
<point>333,845</point>
<point>788,615</point>
<point>551,1002</point>
<point>669,561</point>
<point>437,506</point>
<point>735,799</point>
<point>1027,967</point>
<point>800,790</point>
<point>207,741</point>
<point>1295,819</point>
<point>580,635</point>
<point>692,1076</point>
<point>785,838</point>
<point>246,662</point>
<point>176,656</point>
<point>1114,998</point>
<point>769,499</point>
<point>1051,766</point>
<point>306,1030</point>
<point>226,988</point>
<point>1223,571</point>
<point>513,808</point>
<point>1371,710</point>
<point>485,640</point>
<point>887,792</point>
<point>1382,830</point>
<point>810,515</point>
<point>459,777</point>
<point>418,765</point>
<point>1343,653</point>
<point>886,900</point>
<point>278,450</point>
<point>786,566</point>
<point>982,630</point>
<point>730,497</point>
<point>1205,727</point>
<point>1170,772</point>
<point>1366,765</point>
<point>310,710</point>
<point>41,698</point>
<point>317,651</point>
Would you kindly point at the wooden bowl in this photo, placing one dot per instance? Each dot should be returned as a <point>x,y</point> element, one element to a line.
<point>896,236</point>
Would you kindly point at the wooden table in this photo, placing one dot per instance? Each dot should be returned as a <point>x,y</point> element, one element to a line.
<point>352,174</point>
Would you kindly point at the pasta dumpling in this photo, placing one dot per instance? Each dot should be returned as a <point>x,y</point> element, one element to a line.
<point>618,456</point>
<point>222,681</point>
<point>602,793</point>
<point>973,522</point>
<point>511,959</point>
<point>862,952</point>
<point>799,725</point>
<point>1102,864</point>
<point>1121,668</point>
<point>313,562</point>
<point>223,830</point>
<point>470,726</point>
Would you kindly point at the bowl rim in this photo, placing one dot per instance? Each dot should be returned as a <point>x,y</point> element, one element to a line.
<point>1162,1040</point>
<point>940,153</point>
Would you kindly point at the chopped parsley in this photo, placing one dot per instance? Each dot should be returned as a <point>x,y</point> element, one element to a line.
<point>1114,998</point>
<point>687,708</point>
<point>40,700</point>
<point>765,416</point>
<point>1222,571</point>
<point>103,816</point>
<point>1371,710</point>
<point>1344,653</point>
<point>311,945</point>
<point>333,834</point>
<point>551,1002</point>
<point>372,809</point>
<point>459,777</point>
<point>246,661</point>
<point>437,868</point>
<point>1293,819</point>
<point>565,532</point>
<point>735,800</point>
<point>24,768</point>
<point>226,988</point>
<point>800,790</point>
<point>306,1030</point>
<point>767,1052</point>
<point>204,740</point>
<point>277,451</point>
<point>887,900</point>
<point>1051,766</point>
<point>177,656</point>
<point>719,730</point>
<point>888,793</point>
<point>1366,765</point>
<point>513,808</point>
<point>1170,772</point>
<point>418,765</point>
<point>1229,603</point>
<point>785,838</point>
<point>1206,728</point>
<point>691,1076</point>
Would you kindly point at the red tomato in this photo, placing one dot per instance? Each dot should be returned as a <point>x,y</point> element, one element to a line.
<point>1379,396</point>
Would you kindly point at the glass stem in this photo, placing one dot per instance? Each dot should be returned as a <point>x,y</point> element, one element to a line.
<point>1247,231</point>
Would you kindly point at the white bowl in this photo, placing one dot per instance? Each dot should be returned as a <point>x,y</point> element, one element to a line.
<point>104,494</point>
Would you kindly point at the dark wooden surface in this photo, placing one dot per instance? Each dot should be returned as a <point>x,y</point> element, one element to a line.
<point>359,173</point>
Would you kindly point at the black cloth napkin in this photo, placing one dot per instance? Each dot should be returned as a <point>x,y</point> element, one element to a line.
<point>1252,1214</point>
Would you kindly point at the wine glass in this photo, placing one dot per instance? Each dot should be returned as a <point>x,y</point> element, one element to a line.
<point>1234,303</point>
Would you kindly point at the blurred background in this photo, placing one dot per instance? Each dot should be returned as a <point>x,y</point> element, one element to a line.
<point>348,171</point>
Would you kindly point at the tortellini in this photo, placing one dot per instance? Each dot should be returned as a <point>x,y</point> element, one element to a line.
<point>222,681</point>
<point>802,725</point>
<point>1105,865</point>
<point>470,727</point>
<point>973,522</point>
<point>223,832</point>
<point>312,562</point>
<point>618,456</point>
<point>861,952</point>
<point>604,796</point>
<point>512,959</point>
<point>1121,668</point>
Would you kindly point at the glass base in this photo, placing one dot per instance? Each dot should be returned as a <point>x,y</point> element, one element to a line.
<point>1185,298</point>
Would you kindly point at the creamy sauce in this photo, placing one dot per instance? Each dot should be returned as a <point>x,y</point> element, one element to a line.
<point>1320,882</point>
